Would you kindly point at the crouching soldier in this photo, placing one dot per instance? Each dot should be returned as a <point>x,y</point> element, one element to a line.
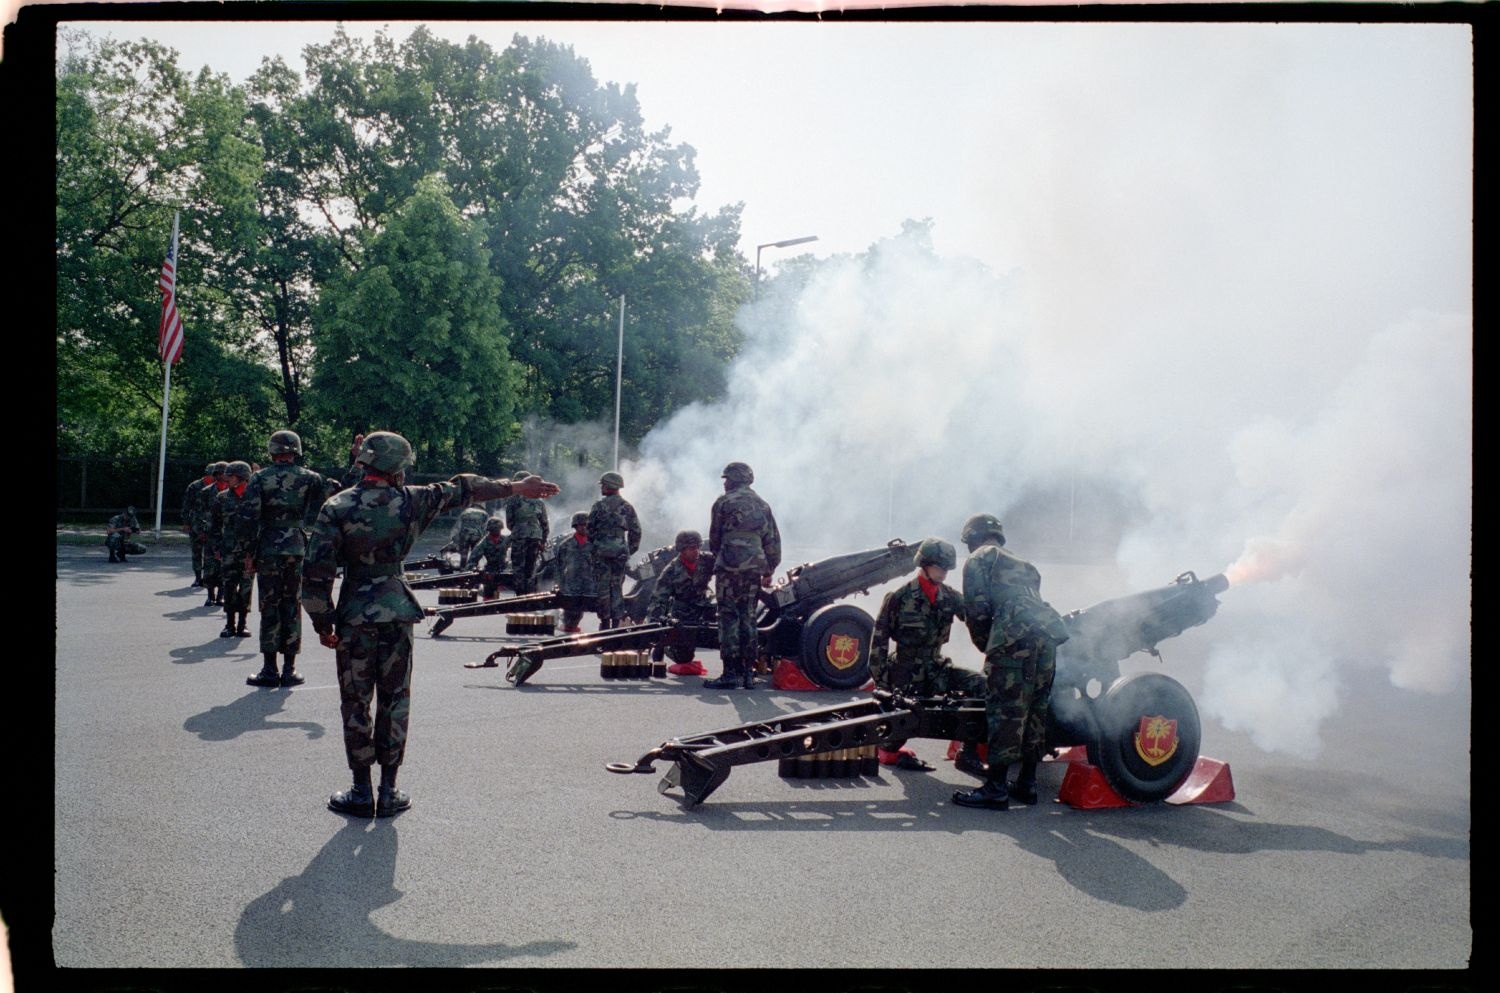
<point>466,534</point>
<point>918,617</point>
<point>681,595</point>
<point>488,557</point>
<point>577,576</point>
<point>117,535</point>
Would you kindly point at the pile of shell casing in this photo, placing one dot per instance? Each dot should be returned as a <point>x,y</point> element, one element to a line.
<point>530,624</point>
<point>456,594</point>
<point>630,665</point>
<point>840,763</point>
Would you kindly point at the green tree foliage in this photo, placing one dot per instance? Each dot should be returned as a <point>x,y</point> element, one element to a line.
<point>412,341</point>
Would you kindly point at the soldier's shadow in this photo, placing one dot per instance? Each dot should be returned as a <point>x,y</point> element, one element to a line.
<point>228,649</point>
<point>250,712</point>
<point>322,917</point>
<point>194,612</point>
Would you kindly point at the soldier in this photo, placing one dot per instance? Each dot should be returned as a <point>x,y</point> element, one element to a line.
<point>1019,633</point>
<point>527,520</point>
<point>117,535</point>
<point>468,531</point>
<point>576,578</point>
<point>189,511</point>
<point>279,506</point>
<point>368,530</point>
<point>235,564</point>
<point>746,546</point>
<point>488,557</point>
<point>203,532</point>
<point>681,595</point>
<point>918,617</point>
<point>614,535</point>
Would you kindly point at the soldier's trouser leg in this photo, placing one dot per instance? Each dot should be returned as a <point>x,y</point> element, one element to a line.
<point>736,595</point>
<point>614,575</point>
<point>571,618</point>
<point>236,588</point>
<point>1034,741</point>
<point>279,580</point>
<point>197,558</point>
<point>1016,701</point>
<point>523,556</point>
<point>115,543</point>
<point>374,660</point>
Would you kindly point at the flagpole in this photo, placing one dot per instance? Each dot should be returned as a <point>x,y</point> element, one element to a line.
<point>166,401</point>
<point>619,378</point>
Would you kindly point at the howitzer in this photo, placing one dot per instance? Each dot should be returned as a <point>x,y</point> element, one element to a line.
<point>1141,730</point>
<point>798,618</point>
<point>438,562</point>
<point>452,580</point>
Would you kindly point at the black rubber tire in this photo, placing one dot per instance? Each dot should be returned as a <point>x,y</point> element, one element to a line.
<point>1120,711</point>
<point>837,619</point>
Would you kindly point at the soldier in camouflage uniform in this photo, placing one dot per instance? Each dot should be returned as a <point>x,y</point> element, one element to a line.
<point>614,535</point>
<point>368,530</point>
<point>488,557</point>
<point>681,594</point>
<point>527,520</point>
<point>468,531</point>
<point>117,535</point>
<point>280,503</point>
<point>917,617</point>
<point>236,567</point>
<point>203,532</point>
<point>1019,633</point>
<point>575,568</point>
<point>189,509</point>
<point>746,545</point>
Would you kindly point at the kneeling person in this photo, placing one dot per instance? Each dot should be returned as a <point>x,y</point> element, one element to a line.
<point>681,593</point>
<point>488,557</point>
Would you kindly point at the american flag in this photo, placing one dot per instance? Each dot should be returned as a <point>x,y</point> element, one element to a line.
<point>169,335</point>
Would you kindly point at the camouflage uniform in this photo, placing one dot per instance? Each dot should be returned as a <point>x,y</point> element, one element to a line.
<point>527,520</point>
<point>575,567</point>
<point>1019,633</point>
<point>203,531</point>
<point>746,545</point>
<point>235,583</point>
<point>681,595</point>
<point>368,530</point>
<point>488,558</point>
<point>468,531</point>
<point>280,504</point>
<point>189,511</point>
<point>117,539</point>
<point>614,535</point>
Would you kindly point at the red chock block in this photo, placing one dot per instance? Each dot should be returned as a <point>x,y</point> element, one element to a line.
<point>1085,787</point>
<point>787,675</point>
<point>1209,782</point>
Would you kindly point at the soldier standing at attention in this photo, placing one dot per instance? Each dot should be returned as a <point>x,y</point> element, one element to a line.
<point>575,567</point>
<point>369,529</point>
<point>467,532</point>
<point>280,503</point>
<point>1019,633</point>
<point>488,557</point>
<point>235,565</point>
<point>189,510</point>
<point>746,546</point>
<point>918,617</point>
<point>117,534</point>
<point>527,520</point>
<point>203,532</point>
<point>614,535</point>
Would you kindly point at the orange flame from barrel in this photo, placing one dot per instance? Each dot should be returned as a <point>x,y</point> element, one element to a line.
<point>1264,560</point>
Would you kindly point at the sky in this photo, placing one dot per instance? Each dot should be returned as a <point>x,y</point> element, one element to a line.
<point>1222,271</point>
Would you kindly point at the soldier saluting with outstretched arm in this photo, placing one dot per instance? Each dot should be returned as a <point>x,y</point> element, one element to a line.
<point>369,529</point>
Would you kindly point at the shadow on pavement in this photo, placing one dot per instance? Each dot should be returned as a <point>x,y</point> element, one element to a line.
<point>322,918</point>
<point>248,713</point>
<point>228,649</point>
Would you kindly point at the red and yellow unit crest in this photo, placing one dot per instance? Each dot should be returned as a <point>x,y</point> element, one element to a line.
<point>843,650</point>
<point>1156,740</point>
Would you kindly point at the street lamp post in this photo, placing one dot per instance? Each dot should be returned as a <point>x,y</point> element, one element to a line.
<point>776,244</point>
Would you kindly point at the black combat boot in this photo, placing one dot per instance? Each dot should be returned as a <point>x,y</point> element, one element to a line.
<point>289,674</point>
<point>112,556</point>
<point>1023,790</point>
<point>228,631</point>
<point>968,761</point>
<point>242,631</point>
<point>208,601</point>
<point>267,675</point>
<point>730,680</point>
<point>358,800</point>
<point>747,679</point>
<point>197,581</point>
<point>390,800</point>
<point>992,795</point>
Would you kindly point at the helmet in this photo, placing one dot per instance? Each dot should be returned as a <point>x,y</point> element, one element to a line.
<point>579,518</point>
<point>935,551</point>
<point>980,525</point>
<point>284,443</point>
<point>210,469</point>
<point>738,472</point>
<point>218,468</point>
<point>130,512</point>
<point>519,475</point>
<point>613,480</point>
<point>494,525</point>
<point>385,451</point>
<point>240,469</point>
<point>687,539</point>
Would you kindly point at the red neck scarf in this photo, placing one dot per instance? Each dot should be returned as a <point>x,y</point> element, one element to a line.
<point>207,480</point>
<point>495,539</point>
<point>222,485</point>
<point>691,567</point>
<point>582,539</point>
<point>929,588</point>
<point>376,479</point>
<point>239,490</point>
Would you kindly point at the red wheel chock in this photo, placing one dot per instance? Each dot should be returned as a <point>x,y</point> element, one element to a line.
<point>1085,787</point>
<point>788,675</point>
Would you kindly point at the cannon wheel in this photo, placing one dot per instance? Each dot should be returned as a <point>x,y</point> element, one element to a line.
<point>1121,710</point>
<point>837,621</point>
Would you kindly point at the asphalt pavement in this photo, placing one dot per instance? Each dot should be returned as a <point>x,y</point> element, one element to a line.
<point>191,833</point>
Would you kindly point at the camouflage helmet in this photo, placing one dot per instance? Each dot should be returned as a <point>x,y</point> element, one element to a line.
<point>130,512</point>
<point>935,551</point>
<point>980,525</point>
<point>284,443</point>
<point>519,475</point>
<point>218,468</point>
<point>687,539</point>
<point>494,525</point>
<point>211,468</point>
<point>385,451</point>
<point>581,517</point>
<point>613,480</point>
<point>240,469</point>
<point>738,472</point>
